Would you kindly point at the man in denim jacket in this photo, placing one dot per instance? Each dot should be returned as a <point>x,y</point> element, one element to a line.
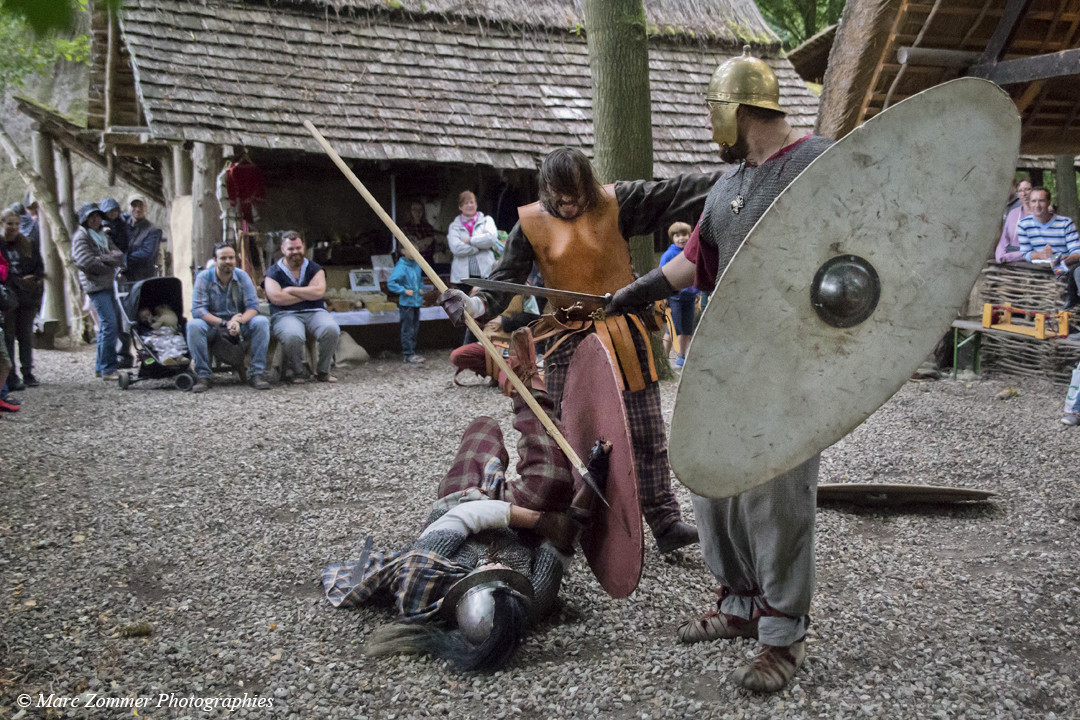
<point>225,302</point>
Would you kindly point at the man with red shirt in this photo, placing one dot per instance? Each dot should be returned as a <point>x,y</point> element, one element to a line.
<point>759,544</point>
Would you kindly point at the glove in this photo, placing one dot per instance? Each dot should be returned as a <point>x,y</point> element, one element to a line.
<point>638,294</point>
<point>560,529</point>
<point>457,303</point>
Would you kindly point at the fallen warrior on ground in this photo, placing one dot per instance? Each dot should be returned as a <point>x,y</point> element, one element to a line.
<point>491,557</point>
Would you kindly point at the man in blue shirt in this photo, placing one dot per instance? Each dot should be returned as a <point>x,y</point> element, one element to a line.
<point>1042,235</point>
<point>295,287</point>
<point>225,303</point>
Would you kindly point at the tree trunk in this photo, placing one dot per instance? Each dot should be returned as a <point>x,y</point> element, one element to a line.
<point>48,205</point>
<point>206,215</point>
<point>622,111</point>
<point>1066,200</point>
<point>54,306</point>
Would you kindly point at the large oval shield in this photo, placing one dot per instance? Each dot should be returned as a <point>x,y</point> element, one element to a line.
<point>593,409</point>
<point>914,197</point>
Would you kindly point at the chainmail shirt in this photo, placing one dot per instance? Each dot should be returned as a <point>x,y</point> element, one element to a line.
<point>757,186</point>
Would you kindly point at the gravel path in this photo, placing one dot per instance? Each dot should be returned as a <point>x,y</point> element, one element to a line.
<point>208,517</point>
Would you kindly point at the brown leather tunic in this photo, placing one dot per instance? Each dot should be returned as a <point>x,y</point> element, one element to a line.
<point>589,255</point>
<point>586,254</point>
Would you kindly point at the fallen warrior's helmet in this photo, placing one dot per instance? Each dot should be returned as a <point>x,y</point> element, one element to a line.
<point>488,613</point>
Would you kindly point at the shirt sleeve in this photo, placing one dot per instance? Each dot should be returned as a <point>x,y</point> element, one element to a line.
<point>200,298</point>
<point>646,206</point>
<point>1072,238</point>
<point>1023,240</point>
<point>394,282</point>
<point>706,260</point>
<point>514,266</point>
<point>251,299</point>
<point>469,518</point>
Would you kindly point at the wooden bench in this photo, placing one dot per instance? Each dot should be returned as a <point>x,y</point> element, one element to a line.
<point>977,331</point>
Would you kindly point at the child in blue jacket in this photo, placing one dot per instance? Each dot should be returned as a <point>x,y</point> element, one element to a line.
<point>408,282</point>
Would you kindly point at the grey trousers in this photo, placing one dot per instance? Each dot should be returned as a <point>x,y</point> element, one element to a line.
<point>760,546</point>
<point>291,330</point>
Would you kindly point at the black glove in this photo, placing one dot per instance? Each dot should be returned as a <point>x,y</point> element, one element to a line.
<point>561,529</point>
<point>640,293</point>
<point>455,303</point>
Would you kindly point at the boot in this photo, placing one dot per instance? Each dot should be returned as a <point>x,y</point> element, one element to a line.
<point>772,668</point>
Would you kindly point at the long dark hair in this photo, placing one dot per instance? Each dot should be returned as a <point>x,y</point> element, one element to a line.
<point>566,171</point>
<point>508,627</point>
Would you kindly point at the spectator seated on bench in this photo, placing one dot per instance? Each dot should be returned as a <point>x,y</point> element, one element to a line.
<point>295,287</point>
<point>225,310</point>
<point>1047,237</point>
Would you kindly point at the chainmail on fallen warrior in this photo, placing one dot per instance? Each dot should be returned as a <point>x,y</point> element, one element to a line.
<point>758,186</point>
<point>507,547</point>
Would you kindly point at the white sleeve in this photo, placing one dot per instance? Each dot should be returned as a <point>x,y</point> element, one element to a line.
<point>486,240</point>
<point>453,239</point>
<point>472,517</point>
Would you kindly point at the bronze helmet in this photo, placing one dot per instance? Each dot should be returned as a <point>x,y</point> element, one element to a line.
<point>745,80</point>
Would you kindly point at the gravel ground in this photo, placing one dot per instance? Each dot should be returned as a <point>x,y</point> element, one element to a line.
<point>208,518</point>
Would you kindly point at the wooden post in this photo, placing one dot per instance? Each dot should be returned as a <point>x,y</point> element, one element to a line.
<point>112,60</point>
<point>53,307</point>
<point>65,189</point>
<point>182,170</point>
<point>1066,201</point>
<point>206,212</point>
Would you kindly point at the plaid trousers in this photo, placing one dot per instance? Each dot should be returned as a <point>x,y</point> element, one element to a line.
<point>544,482</point>
<point>647,432</point>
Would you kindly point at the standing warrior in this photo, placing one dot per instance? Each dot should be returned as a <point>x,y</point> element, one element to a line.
<point>760,544</point>
<point>576,234</point>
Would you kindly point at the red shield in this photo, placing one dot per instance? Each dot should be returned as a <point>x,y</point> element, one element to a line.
<point>592,409</point>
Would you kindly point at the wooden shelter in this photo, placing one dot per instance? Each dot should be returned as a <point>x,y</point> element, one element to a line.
<point>424,99</point>
<point>887,50</point>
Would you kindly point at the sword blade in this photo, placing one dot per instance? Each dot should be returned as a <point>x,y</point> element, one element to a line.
<point>562,298</point>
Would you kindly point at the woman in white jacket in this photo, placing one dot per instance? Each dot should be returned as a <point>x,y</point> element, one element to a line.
<point>472,236</point>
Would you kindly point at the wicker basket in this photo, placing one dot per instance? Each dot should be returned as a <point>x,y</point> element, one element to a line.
<point>1031,287</point>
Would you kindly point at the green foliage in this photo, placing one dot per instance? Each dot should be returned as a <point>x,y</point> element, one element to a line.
<point>24,53</point>
<point>49,16</point>
<point>797,20</point>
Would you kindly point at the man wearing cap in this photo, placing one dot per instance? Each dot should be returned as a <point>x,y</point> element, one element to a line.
<point>144,239</point>
<point>98,259</point>
<point>760,544</point>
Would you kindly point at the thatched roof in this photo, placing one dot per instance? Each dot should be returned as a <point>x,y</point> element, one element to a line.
<point>811,58</point>
<point>887,50</point>
<point>734,21</point>
<point>392,87</point>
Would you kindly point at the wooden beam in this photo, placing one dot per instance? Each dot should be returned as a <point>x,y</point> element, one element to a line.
<point>1030,93</point>
<point>1006,30</point>
<point>206,212</point>
<point>182,170</point>
<point>112,60</point>
<point>936,58</point>
<point>1065,175</point>
<point>54,306</point>
<point>65,189</point>
<point>1030,69</point>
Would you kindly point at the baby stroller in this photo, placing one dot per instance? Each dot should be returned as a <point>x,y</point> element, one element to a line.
<point>159,353</point>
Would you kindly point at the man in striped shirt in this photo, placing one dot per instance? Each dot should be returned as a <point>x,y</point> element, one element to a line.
<point>1055,235</point>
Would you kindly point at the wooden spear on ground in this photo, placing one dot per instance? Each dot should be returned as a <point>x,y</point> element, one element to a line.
<point>495,354</point>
